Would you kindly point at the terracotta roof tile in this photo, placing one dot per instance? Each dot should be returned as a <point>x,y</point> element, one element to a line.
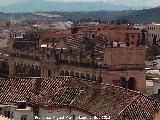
<point>96,99</point>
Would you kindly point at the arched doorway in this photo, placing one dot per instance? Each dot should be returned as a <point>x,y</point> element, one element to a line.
<point>132,83</point>
<point>99,79</point>
<point>88,77</point>
<point>82,76</point>
<point>71,73</point>
<point>24,70</point>
<point>18,70</point>
<point>32,71</point>
<point>28,70</point>
<point>36,71</point>
<point>66,73</point>
<point>39,72</point>
<point>77,74</point>
<point>123,82</point>
<point>93,77</point>
<point>62,73</point>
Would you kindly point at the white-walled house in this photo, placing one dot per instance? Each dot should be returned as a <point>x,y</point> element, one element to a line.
<point>153,30</point>
<point>72,99</point>
<point>70,114</point>
<point>16,113</point>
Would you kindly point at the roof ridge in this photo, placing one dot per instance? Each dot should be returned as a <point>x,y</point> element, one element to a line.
<point>130,103</point>
<point>140,94</point>
<point>128,90</point>
<point>80,92</point>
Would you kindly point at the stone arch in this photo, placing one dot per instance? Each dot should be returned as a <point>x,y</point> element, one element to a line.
<point>93,77</point>
<point>15,68</point>
<point>88,76</point>
<point>71,73</point>
<point>18,69</point>
<point>67,73</point>
<point>36,71</point>
<point>24,70</point>
<point>28,70</point>
<point>132,83</point>
<point>62,72</point>
<point>76,74</point>
<point>99,79</point>
<point>39,72</point>
<point>32,71</point>
<point>123,82</point>
<point>82,76</point>
<point>21,70</point>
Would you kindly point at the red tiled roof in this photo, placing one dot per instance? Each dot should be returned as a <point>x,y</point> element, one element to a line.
<point>94,98</point>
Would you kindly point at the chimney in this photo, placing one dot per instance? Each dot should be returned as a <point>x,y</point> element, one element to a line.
<point>21,105</point>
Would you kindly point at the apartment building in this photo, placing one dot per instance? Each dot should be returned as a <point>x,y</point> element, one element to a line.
<point>153,31</point>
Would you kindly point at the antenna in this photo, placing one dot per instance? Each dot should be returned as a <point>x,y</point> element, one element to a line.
<point>132,17</point>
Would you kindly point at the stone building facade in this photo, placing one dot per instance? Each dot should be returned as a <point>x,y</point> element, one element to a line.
<point>90,57</point>
<point>121,66</point>
<point>153,32</point>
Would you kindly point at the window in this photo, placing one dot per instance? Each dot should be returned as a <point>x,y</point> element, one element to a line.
<point>158,91</point>
<point>49,73</point>
<point>24,117</point>
<point>93,35</point>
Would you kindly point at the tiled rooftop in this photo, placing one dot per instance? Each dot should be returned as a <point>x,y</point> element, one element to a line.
<point>78,45</point>
<point>94,98</point>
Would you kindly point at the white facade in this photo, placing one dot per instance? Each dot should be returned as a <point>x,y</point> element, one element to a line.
<point>152,87</point>
<point>4,43</point>
<point>44,114</point>
<point>156,87</point>
<point>64,114</point>
<point>153,30</point>
<point>12,113</point>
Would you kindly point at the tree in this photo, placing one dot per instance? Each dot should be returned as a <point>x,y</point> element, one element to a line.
<point>143,37</point>
<point>153,51</point>
<point>154,40</point>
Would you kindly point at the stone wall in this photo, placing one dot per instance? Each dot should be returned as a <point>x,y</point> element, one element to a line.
<point>124,56</point>
<point>107,77</point>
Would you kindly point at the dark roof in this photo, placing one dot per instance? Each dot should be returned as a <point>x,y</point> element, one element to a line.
<point>156,97</point>
<point>90,97</point>
<point>78,44</point>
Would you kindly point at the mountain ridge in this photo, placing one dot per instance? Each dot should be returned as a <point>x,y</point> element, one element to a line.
<point>41,5</point>
<point>136,16</point>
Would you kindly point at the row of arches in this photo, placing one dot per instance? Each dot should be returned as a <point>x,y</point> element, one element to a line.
<point>128,84</point>
<point>81,75</point>
<point>4,68</point>
<point>23,70</point>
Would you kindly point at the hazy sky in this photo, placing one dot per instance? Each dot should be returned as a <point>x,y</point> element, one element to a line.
<point>121,2</point>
